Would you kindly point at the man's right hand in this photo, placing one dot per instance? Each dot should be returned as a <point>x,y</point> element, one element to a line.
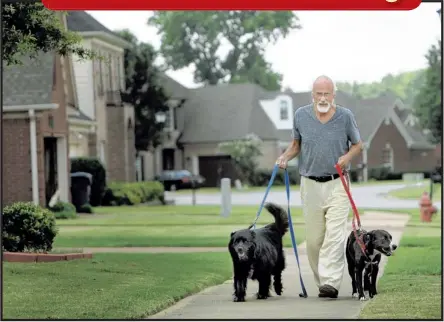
<point>282,162</point>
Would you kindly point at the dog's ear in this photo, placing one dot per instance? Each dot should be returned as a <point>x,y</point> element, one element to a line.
<point>232,233</point>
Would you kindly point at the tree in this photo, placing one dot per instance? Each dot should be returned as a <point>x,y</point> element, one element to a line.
<point>196,38</point>
<point>29,28</point>
<point>428,104</point>
<point>245,153</point>
<point>404,85</point>
<point>144,91</point>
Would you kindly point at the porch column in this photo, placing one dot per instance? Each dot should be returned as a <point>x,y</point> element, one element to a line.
<point>34,164</point>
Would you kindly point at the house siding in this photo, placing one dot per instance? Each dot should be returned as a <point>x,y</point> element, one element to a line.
<point>16,170</point>
<point>405,159</point>
<point>83,75</point>
<point>121,147</point>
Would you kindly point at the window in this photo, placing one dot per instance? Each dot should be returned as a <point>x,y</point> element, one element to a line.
<point>110,72</point>
<point>284,111</point>
<point>169,120</point>
<point>103,75</point>
<point>387,156</point>
<point>98,80</point>
<point>121,79</point>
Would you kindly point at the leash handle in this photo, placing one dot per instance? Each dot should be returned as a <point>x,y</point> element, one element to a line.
<point>292,234</point>
<point>270,183</point>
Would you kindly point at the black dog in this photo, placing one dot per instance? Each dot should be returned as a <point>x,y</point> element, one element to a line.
<point>376,242</point>
<point>258,254</point>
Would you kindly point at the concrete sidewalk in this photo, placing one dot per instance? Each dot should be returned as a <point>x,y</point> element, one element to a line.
<point>216,302</point>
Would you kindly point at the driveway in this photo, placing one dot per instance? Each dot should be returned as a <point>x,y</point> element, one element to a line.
<point>369,197</point>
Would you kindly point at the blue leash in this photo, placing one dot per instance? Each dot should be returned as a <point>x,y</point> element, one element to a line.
<point>290,222</point>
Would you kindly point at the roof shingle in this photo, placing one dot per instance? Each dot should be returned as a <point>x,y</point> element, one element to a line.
<point>30,83</point>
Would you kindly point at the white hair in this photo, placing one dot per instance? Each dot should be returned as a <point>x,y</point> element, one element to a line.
<point>327,78</point>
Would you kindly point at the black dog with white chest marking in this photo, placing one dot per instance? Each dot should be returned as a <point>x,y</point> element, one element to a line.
<point>376,242</point>
<point>258,254</point>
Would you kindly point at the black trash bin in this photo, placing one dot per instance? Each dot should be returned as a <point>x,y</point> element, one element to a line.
<point>80,188</point>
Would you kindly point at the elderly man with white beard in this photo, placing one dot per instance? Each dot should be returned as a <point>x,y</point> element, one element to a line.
<point>324,134</point>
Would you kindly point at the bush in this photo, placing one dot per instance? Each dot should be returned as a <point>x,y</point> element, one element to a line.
<point>383,173</point>
<point>262,177</point>
<point>96,169</point>
<point>64,210</point>
<point>122,193</point>
<point>86,209</point>
<point>27,227</point>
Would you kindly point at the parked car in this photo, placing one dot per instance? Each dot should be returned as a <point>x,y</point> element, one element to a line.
<point>436,175</point>
<point>179,179</point>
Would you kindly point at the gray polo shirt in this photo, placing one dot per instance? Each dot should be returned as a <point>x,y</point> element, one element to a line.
<point>323,144</point>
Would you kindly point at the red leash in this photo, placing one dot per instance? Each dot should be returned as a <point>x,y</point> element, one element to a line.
<point>355,210</point>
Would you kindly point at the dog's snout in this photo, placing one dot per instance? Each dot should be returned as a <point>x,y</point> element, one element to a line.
<point>394,246</point>
<point>240,250</point>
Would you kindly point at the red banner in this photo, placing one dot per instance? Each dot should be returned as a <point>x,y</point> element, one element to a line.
<point>232,4</point>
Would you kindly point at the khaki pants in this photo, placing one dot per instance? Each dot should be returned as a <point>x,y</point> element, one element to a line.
<point>325,206</point>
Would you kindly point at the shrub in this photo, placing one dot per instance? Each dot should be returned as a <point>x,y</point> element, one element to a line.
<point>96,169</point>
<point>64,210</point>
<point>383,173</point>
<point>86,209</point>
<point>27,227</point>
<point>262,177</point>
<point>132,193</point>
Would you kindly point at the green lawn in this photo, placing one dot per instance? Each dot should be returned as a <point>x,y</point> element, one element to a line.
<point>110,286</point>
<point>415,192</point>
<point>147,226</point>
<point>410,287</point>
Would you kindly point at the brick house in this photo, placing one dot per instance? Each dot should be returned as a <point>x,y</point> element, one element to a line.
<point>35,129</point>
<point>103,126</point>
<point>393,137</point>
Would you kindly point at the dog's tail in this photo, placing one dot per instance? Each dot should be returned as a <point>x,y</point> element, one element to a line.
<point>280,217</point>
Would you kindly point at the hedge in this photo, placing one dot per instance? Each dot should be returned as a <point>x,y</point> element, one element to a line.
<point>132,193</point>
<point>64,210</point>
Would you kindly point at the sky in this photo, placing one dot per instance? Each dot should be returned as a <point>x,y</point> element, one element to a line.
<point>361,46</point>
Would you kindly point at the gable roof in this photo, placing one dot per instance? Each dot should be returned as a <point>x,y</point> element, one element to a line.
<point>225,112</point>
<point>414,133</point>
<point>30,83</point>
<point>83,23</point>
<point>173,88</point>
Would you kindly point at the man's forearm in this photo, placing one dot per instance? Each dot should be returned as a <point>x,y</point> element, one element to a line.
<point>355,150</point>
<point>292,151</point>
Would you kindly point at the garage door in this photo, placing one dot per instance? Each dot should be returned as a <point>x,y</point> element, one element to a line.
<point>213,168</point>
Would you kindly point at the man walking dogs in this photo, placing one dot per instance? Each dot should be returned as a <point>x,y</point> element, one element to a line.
<point>324,134</point>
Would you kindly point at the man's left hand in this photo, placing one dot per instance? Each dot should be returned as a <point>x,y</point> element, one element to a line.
<point>344,161</point>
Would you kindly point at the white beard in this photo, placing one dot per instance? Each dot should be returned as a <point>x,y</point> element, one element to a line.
<point>323,109</point>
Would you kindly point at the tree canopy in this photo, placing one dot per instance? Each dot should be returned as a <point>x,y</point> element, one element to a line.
<point>428,103</point>
<point>29,28</point>
<point>404,85</point>
<point>144,91</point>
<point>198,39</point>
